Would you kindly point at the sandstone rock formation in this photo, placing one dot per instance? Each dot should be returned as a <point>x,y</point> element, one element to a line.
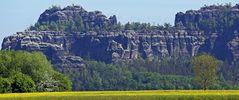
<point>220,26</point>
<point>108,47</point>
<point>212,29</point>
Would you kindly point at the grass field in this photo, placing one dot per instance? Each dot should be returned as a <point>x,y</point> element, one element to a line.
<point>128,95</point>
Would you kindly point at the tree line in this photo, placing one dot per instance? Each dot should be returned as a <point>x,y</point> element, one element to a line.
<point>30,71</point>
<point>200,72</point>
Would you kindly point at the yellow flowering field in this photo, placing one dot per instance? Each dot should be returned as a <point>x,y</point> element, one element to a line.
<point>128,95</point>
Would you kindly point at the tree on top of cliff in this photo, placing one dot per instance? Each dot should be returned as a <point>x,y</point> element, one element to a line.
<point>71,19</point>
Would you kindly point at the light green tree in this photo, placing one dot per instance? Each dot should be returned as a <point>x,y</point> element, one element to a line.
<point>29,71</point>
<point>205,68</point>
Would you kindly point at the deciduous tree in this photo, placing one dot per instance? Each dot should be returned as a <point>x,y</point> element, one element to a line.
<point>205,68</point>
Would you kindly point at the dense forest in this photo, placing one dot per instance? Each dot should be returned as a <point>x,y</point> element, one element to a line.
<point>139,74</point>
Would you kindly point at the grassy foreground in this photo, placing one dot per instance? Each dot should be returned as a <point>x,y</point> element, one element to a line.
<point>128,95</point>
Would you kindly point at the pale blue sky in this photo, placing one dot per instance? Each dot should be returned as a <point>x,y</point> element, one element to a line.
<point>17,15</point>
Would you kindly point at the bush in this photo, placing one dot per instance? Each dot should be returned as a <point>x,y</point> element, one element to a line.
<point>22,83</point>
<point>5,85</point>
<point>63,82</point>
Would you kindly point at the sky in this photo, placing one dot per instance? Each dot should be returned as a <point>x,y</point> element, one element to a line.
<point>17,15</point>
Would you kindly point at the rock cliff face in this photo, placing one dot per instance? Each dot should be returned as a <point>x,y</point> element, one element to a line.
<point>65,48</point>
<point>220,26</point>
<point>211,30</point>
